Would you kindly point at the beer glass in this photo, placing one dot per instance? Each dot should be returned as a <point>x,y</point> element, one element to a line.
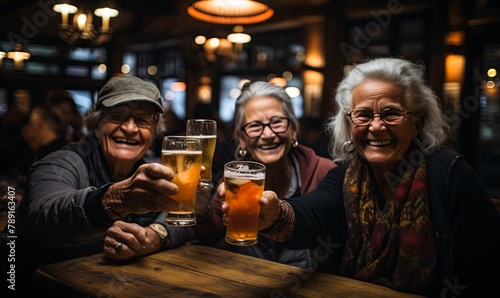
<point>206,131</point>
<point>182,155</point>
<point>244,183</point>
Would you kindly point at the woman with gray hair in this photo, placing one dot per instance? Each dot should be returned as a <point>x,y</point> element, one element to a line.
<point>99,195</point>
<point>418,98</point>
<point>400,210</point>
<point>266,131</point>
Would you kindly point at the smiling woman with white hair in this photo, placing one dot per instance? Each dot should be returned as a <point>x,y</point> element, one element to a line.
<point>400,210</point>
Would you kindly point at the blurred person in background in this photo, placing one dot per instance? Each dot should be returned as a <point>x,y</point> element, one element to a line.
<point>16,117</point>
<point>42,134</point>
<point>74,120</point>
<point>45,131</point>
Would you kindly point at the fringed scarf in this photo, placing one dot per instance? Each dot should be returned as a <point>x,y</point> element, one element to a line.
<point>392,246</point>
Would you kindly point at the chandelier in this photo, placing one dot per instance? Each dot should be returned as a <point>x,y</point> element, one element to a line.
<point>230,12</point>
<point>82,27</point>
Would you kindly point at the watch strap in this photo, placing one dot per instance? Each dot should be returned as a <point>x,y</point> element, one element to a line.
<point>161,230</point>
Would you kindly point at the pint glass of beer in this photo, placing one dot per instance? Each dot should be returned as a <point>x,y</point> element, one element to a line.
<point>206,131</point>
<point>183,156</point>
<point>244,183</point>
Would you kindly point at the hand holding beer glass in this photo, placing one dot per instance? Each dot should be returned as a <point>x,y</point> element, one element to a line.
<point>182,155</point>
<point>244,183</point>
<point>206,131</point>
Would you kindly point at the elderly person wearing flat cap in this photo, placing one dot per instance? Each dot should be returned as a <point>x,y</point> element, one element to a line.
<point>99,194</point>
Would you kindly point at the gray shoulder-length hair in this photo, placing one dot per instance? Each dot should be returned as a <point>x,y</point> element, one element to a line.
<point>260,89</point>
<point>95,115</point>
<point>418,98</point>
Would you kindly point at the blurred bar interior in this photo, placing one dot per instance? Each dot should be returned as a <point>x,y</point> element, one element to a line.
<point>196,51</point>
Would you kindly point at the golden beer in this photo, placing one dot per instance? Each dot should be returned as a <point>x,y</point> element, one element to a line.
<point>208,147</point>
<point>243,191</point>
<point>206,131</point>
<point>185,163</point>
<point>186,166</point>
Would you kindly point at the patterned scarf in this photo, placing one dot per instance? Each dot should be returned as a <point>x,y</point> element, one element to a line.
<point>392,246</point>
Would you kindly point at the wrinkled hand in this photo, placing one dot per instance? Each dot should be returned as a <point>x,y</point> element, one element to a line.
<point>136,241</point>
<point>148,190</point>
<point>269,211</point>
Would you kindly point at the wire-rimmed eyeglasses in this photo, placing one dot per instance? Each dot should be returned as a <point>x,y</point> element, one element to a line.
<point>389,116</point>
<point>255,129</point>
<point>143,120</point>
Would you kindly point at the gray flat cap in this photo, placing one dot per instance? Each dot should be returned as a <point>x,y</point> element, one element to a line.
<point>119,90</point>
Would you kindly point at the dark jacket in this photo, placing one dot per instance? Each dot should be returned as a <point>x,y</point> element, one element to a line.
<point>61,216</point>
<point>311,168</point>
<point>465,223</point>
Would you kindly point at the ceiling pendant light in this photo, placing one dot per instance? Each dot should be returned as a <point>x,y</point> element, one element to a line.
<point>230,12</point>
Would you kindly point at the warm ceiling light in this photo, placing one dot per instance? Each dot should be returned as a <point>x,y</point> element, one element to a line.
<point>65,9</point>
<point>18,54</point>
<point>2,55</point>
<point>200,40</point>
<point>82,26</point>
<point>230,12</point>
<point>455,38</point>
<point>178,86</point>
<point>238,36</point>
<point>292,91</point>
<point>105,13</point>
<point>278,81</point>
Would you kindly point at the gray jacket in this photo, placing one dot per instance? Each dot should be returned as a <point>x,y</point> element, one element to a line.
<point>61,217</point>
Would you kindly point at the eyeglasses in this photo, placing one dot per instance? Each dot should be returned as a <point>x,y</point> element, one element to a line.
<point>389,116</point>
<point>255,129</point>
<point>141,120</point>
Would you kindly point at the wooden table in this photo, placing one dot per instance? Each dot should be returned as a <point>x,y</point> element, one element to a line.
<point>196,271</point>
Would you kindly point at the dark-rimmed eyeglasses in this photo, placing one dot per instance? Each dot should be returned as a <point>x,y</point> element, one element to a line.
<point>255,129</point>
<point>142,120</point>
<point>389,116</point>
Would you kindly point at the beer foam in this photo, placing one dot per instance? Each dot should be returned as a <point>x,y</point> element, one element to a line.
<point>168,152</point>
<point>203,136</point>
<point>238,181</point>
<point>248,176</point>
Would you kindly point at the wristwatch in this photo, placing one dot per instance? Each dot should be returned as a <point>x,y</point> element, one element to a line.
<point>161,230</point>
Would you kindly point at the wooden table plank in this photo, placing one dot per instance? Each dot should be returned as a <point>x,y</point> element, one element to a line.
<point>140,277</point>
<point>197,271</point>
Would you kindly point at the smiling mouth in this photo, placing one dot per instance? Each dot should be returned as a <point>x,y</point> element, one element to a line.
<point>125,141</point>
<point>379,143</point>
<point>269,147</point>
